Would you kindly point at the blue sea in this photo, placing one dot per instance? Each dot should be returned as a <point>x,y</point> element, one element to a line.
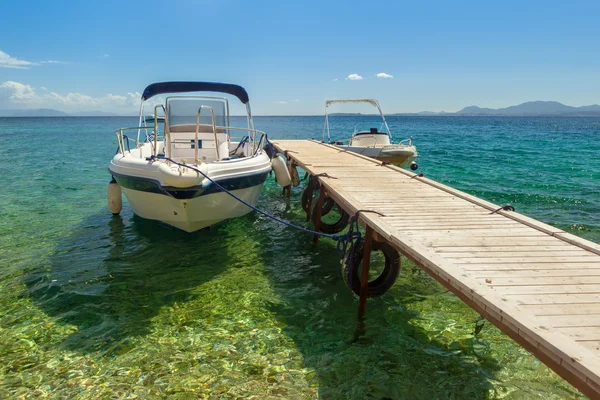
<point>96,306</point>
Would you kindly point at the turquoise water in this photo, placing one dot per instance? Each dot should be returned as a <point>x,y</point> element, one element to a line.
<point>96,306</point>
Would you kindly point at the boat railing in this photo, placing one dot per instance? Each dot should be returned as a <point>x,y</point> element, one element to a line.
<point>228,129</point>
<point>214,128</point>
<point>124,142</point>
<point>155,132</point>
<point>407,142</point>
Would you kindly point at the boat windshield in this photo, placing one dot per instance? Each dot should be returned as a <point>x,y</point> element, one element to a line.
<point>184,111</point>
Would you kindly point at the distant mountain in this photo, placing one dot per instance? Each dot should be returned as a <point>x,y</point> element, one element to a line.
<point>38,112</point>
<point>533,108</point>
<point>529,109</point>
<point>94,114</point>
<point>47,112</point>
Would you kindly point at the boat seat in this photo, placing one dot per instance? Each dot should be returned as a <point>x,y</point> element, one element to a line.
<point>183,144</point>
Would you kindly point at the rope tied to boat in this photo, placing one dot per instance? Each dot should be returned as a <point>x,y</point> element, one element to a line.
<point>324,175</point>
<point>506,207</point>
<point>244,140</point>
<point>269,148</point>
<point>353,235</point>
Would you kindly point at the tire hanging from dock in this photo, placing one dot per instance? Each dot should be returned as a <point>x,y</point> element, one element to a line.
<point>326,227</point>
<point>308,197</point>
<point>381,284</point>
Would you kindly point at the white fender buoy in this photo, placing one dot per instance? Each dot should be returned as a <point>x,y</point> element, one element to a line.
<point>293,173</point>
<point>281,172</point>
<point>115,202</point>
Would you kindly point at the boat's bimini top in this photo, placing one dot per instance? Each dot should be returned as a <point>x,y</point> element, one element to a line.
<point>373,131</point>
<point>372,102</point>
<point>182,87</point>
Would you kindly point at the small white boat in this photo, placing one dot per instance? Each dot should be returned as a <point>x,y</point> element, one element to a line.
<point>159,118</point>
<point>373,142</point>
<point>160,175</point>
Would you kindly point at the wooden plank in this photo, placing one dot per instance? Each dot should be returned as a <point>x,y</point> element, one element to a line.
<point>536,299</point>
<point>563,309</point>
<point>482,232</point>
<point>566,321</point>
<point>539,273</point>
<point>523,259</point>
<point>474,268</point>
<point>500,247</point>
<point>591,345</point>
<point>491,253</point>
<point>544,280</point>
<point>547,289</point>
<point>581,335</point>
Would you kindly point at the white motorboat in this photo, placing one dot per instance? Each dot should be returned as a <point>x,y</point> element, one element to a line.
<point>159,172</point>
<point>152,117</point>
<point>373,142</point>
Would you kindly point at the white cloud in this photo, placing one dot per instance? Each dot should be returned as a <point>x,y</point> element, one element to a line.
<point>53,62</point>
<point>43,88</point>
<point>7,61</point>
<point>335,79</point>
<point>354,77</point>
<point>384,75</point>
<point>280,102</point>
<point>296,100</point>
<point>24,96</point>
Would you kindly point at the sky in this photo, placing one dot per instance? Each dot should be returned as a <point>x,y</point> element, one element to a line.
<point>293,55</point>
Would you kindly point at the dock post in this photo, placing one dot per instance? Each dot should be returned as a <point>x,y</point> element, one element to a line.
<point>364,279</point>
<point>318,210</point>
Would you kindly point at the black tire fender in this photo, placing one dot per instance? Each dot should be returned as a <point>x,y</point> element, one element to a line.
<point>308,194</point>
<point>387,278</point>
<point>335,227</point>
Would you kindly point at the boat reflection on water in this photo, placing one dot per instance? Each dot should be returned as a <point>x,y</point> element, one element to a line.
<point>113,274</point>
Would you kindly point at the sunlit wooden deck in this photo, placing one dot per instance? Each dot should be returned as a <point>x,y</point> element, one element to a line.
<point>537,283</point>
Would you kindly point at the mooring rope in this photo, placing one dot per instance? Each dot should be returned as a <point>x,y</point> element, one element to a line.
<point>506,207</point>
<point>244,140</point>
<point>343,241</point>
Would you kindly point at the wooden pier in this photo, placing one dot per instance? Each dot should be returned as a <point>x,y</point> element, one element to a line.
<point>538,284</point>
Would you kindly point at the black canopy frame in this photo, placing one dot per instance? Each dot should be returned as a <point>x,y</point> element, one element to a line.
<point>183,87</point>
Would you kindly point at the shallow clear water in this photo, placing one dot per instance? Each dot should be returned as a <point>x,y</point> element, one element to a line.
<point>96,305</point>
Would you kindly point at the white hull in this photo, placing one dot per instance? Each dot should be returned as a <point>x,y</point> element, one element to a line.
<point>401,155</point>
<point>192,214</point>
